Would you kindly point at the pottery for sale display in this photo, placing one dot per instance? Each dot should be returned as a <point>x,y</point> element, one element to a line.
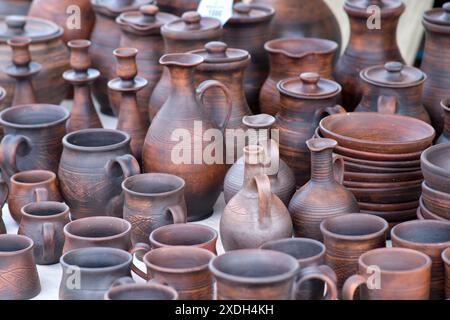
<point>445,136</point>
<point>190,32</point>
<point>183,112</point>
<point>290,57</point>
<point>254,215</point>
<point>9,7</point>
<point>324,195</point>
<point>435,164</point>
<point>91,187</point>
<point>46,48</point>
<point>369,45</point>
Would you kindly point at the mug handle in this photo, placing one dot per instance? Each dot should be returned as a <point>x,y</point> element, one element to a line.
<point>48,233</point>
<point>387,104</point>
<point>11,146</point>
<point>138,247</point>
<point>178,213</point>
<point>350,286</point>
<point>323,273</point>
<point>338,168</point>
<point>40,194</point>
<point>323,112</point>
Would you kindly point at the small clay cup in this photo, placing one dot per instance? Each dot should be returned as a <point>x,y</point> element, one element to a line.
<point>134,291</point>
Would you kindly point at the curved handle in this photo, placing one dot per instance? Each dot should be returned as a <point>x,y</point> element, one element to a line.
<point>273,156</point>
<point>323,112</point>
<point>48,234</point>
<point>350,286</point>
<point>10,147</point>
<point>387,104</point>
<point>139,247</point>
<point>178,213</point>
<point>322,273</point>
<point>208,84</point>
<point>338,168</point>
<point>4,191</point>
<point>40,194</point>
<point>122,281</point>
<point>264,197</point>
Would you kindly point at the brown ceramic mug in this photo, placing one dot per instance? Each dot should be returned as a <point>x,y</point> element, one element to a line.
<point>348,236</point>
<point>31,186</point>
<point>390,274</point>
<point>309,253</point>
<point>19,279</point>
<point>43,222</point>
<point>430,237</point>
<point>446,259</point>
<point>134,291</point>
<point>97,232</point>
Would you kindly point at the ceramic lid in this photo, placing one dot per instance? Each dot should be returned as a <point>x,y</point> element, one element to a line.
<point>113,8</point>
<point>385,5</point>
<point>191,25</point>
<point>393,74</point>
<point>218,52</point>
<point>148,20</point>
<point>439,16</point>
<point>34,28</point>
<point>309,86</point>
<point>251,13</point>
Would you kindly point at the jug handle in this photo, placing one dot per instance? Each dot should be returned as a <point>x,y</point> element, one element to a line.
<point>48,234</point>
<point>274,157</point>
<point>323,112</point>
<point>264,196</point>
<point>338,168</point>
<point>208,84</point>
<point>11,146</point>
<point>40,194</point>
<point>350,286</point>
<point>323,273</point>
<point>144,248</point>
<point>387,104</point>
<point>178,213</point>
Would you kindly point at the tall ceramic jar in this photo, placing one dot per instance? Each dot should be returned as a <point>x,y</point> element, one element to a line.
<point>60,11</point>
<point>290,57</point>
<point>188,33</point>
<point>177,141</point>
<point>393,88</point>
<point>322,196</point>
<point>304,101</point>
<point>105,39</point>
<point>368,45</point>
<point>249,29</point>
<point>436,62</point>
<point>46,48</point>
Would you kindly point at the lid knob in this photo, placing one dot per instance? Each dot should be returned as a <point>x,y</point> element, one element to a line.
<point>191,19</point>
<point>242,8</point>
<point>311,78</point>
<point>21,56</point>
<point>216,48</point>
<point>393,66</point>
<point>149,12</point>
<point>80,60</point>
<point>16,23</point>
<point>126,68</point>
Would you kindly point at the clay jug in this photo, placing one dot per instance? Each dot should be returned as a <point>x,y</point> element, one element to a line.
<point>183,117</point>
<point>367,46</point>
<point>254,215</point>
<point>436,62</point>
<point>282,180</point>
<point>445,136</point>
<point>304,102</point>
<point>290,57</point>
<point>323,196</point>
<point>191,32</point>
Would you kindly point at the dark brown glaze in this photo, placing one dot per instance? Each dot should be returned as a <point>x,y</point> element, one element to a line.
<point>19,279</point>
<point>3,199</point>
<point>348,236</point>
<point>254,215</point>
<point>436,62</point>
<point>83,114</point>
<point>142,30</point>
<point>46,48</point>
<point>99,269</point>
<point>184,110</point>
<point>190,32</point>
<point>282,180</point>
<point>309,253</point>
<point>60,12</point>
<point>404,275</point>
<point>43,222</point>
<point>135,291</point>
<point>106,12</point>
<point>446,260</point>
<point>304,101</point>
<point>14,7</point>
<point>435,164</point>
<point>393,89</point>
<point>445,136</point>
<point>33,135</point>
<point>290,57</point>
<point>436,201</point>
<point>324,195</point>
<point>153,200</point>
<point>92,187</point>
<point>128,84</point>
<point>367,47</point>
<point>31,186</point>
<point>431,238</point>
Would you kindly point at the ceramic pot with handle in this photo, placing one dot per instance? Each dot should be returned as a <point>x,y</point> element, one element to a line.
<point>445,136</point>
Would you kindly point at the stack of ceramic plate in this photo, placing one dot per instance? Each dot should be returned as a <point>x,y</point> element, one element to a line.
<point>381,154</point>
<point>435,199</point>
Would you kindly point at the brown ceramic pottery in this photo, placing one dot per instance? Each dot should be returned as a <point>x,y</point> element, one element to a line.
<point>3,198</point>
<point>324,195</point>
<point>142,30</point>
<point>153,200</point>
<point>377,185</point>
<point>184,112</point>
<point>388,207</point>
<point>19,279</point>
<point>431,238</point>
<point>369,45</point>
<point>108,232</point>
<point>446,260</point>
<point>43,222</point>
<point>97,269</point>
<point>9,7</point>
<point>387,195</point>
<point>92,187</point>
<point>290,57</point>
<point>33,135</point>
<point>427,214</point>
<point>435,163</point>
<point>402,274</point>
<point>47,49</point>
<point>304,101</point>
<point>436,62</point>
<point>106,12</point>
<point>356,167</point>
<point>412,165</point>
<point>183,268</point>
<point>182,234</point>
<point>383,177</point>
<point>254,215</point>
<point>348,236</point>
<point>134,291</point>
<point>188,33</point>
<point>445,136</point>
<point>60,12</point>
<point>309,253</point>
<point>436,201</point>
<point>394,217</point>
<point>31,186</point>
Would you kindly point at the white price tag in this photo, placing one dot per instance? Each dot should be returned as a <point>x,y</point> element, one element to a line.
<point>219,9</point>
